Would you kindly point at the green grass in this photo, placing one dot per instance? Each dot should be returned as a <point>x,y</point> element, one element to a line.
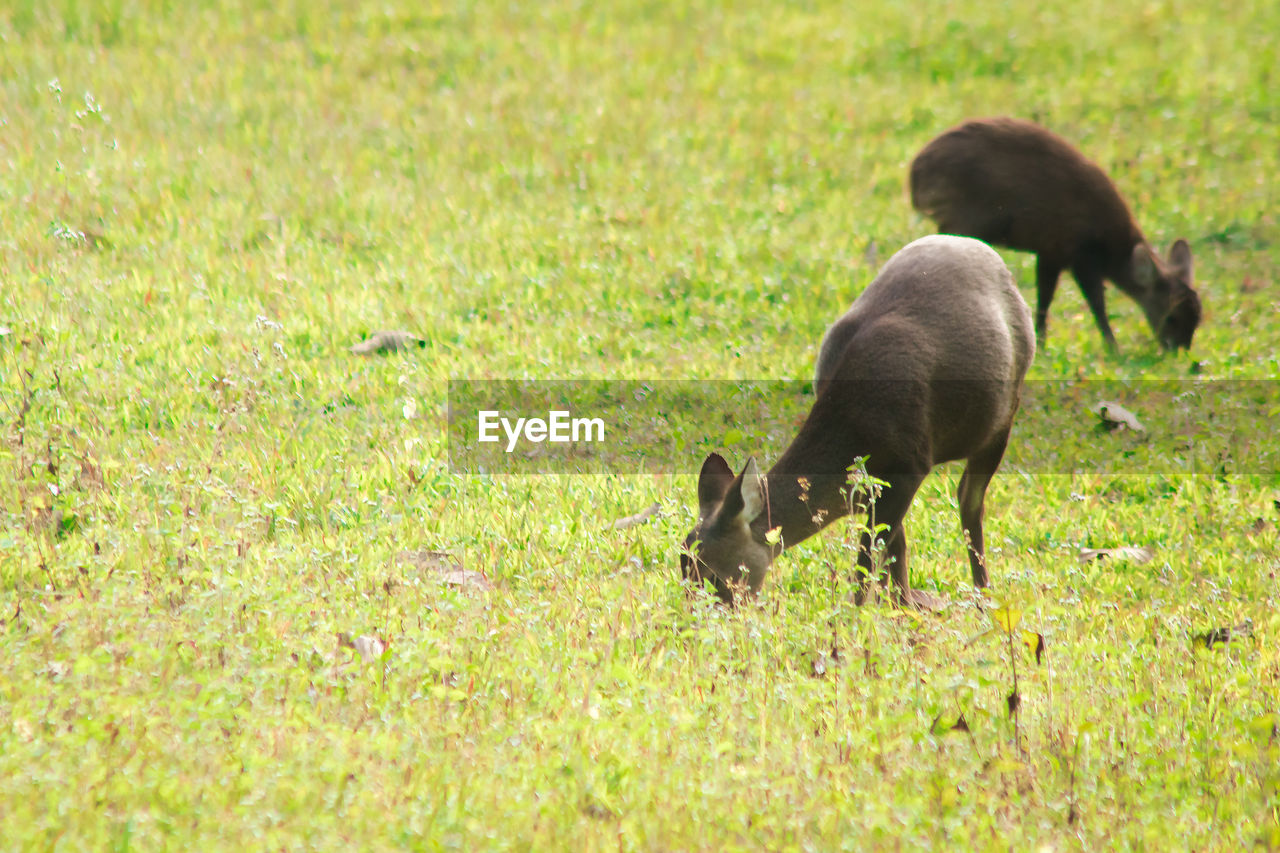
<point>200,488</point>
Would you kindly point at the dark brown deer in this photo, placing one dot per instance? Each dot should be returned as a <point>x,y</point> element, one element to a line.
<point>926,367</point>
<point>1013,183</point>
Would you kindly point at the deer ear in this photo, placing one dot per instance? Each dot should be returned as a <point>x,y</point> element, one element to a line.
<point>745,499</point>
<point>714,480</point>
<point>752,488</point>
<point>1142,266</point>
<point>1180,259</point>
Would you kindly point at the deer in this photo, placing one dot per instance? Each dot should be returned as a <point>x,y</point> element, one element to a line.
<point>925,367</point>
<point>1012,183</point>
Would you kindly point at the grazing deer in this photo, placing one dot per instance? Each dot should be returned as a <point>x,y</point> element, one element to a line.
<point>1013,183</point>
<point>925,367</point>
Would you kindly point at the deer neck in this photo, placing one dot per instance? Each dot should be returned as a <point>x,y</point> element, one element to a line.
<point>800,504</point>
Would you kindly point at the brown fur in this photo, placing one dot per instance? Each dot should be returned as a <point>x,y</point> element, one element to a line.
<point>924,368</point>
<point>1012,183</point>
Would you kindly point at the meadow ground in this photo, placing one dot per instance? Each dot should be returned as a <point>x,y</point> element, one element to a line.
<point>202,205</point>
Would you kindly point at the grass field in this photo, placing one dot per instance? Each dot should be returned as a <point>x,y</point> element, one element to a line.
<point>202,205</point>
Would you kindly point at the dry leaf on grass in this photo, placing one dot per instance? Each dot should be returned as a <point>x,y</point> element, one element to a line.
<point>824,662</point>
<point>466,579</point>
<point>1132,553</point>
<point>1034,641</point>
<point>1116,416</point>
<point>927,601</point>
<point>639,518</point>
<point>941,726</point>
<point>594,808</point>
<point>426,560</point>
<point>387,341</point>
<point>369,648</point>
<point>447,567</point>
<point>1217,636</point>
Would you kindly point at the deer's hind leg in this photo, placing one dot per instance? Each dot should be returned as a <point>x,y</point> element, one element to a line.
<point>1048,271</point>
<point>971,496</point>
